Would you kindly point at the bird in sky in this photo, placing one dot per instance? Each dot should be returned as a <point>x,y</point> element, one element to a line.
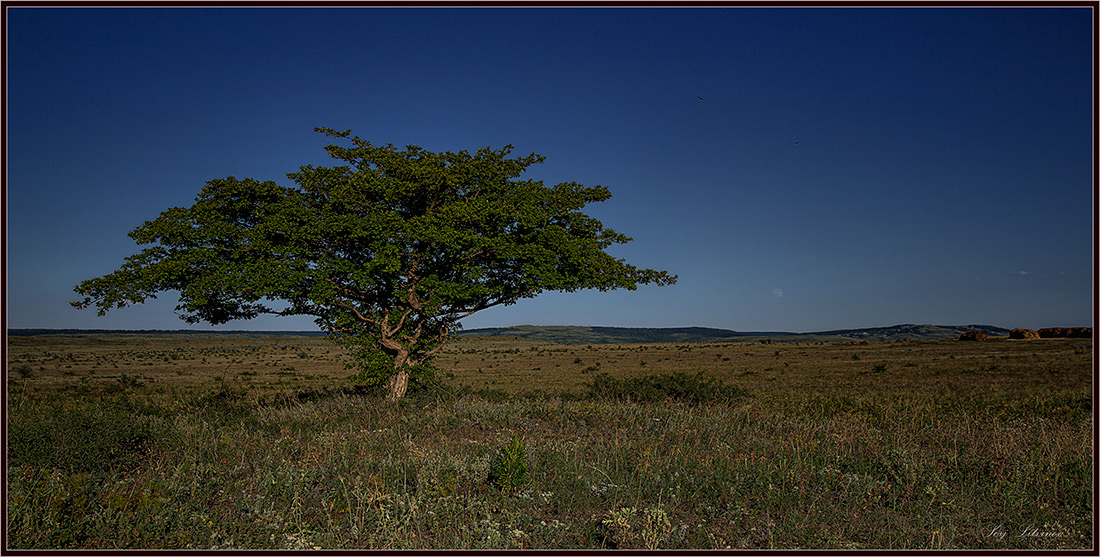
<point>796,141</point>
<point>698,97</point>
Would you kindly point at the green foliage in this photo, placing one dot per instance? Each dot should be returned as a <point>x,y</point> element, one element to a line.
<point>678,387</point>
<point>109,434</point>
<point>389,249</point>
<point>509,471</point>
<point>374,367</point>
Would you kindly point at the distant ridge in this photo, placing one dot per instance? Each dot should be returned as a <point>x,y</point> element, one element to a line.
<point>598,335</point>
<point>631,335</point>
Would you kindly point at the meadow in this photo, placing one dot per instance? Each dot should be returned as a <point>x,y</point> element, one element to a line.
<point>263,443</point>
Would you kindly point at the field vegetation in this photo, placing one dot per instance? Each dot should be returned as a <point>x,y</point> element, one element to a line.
<point>263,443</point>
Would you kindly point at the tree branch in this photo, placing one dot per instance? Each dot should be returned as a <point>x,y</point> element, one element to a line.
<point>358,315</point>
<point>479,307</point>
<point>438,340</point>
<point>389,332</point>
<point>359,295</point>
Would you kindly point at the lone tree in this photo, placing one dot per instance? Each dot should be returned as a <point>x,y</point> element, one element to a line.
<point>388,250</point>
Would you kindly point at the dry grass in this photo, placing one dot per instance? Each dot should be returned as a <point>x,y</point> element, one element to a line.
<point>517,366</point>
<point>923,445</point>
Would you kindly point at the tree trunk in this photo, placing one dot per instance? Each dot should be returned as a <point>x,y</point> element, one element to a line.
<point>398,383</point>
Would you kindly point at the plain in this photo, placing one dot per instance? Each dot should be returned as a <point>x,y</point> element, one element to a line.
<point>239,442</point>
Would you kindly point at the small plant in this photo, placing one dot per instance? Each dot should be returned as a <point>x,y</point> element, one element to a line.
<point>509,471</point>
<point>879,368</point>
<point>629,528</point>
<point>24,371</point>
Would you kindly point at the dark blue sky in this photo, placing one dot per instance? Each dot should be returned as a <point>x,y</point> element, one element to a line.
<point>942,172</point>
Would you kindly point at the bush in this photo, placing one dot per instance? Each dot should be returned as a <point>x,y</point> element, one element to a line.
<point>374,369</point>
<point>677,387</point>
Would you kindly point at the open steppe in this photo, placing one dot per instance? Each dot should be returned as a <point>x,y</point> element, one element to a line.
<point>177,365</point>
<point>261,442</point>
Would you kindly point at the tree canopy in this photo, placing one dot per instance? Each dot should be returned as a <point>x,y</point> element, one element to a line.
<point>388,249</point>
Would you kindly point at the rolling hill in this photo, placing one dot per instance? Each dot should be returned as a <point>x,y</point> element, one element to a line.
<point>630,335</point>
<point>605,335</point>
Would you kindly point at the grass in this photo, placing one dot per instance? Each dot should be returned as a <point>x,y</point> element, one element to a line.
<point>930,445</point>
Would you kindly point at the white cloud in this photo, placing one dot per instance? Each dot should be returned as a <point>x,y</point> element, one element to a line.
<point>777,293</point>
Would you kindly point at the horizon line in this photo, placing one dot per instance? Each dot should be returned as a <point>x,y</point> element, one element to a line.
<point>321,332</point>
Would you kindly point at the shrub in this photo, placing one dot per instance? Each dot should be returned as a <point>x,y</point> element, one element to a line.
<point>509,471</point>
<point>975,335</point>
<point>375,368</point>
<point>678,387</point>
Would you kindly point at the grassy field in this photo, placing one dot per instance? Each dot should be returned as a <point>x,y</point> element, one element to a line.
<point>261,443</point>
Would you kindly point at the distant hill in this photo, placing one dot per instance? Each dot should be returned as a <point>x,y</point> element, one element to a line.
<point>602,335</point>
<point>915,332</point>
<point>614,335</point>
<point>630,335</point>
